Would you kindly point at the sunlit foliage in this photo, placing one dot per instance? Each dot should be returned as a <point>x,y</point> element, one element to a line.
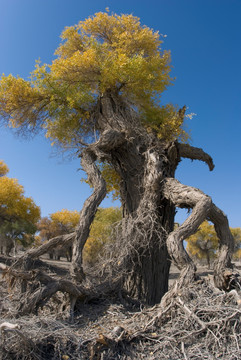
<point>19,230</point>
<point>59,223</point>
<point>13,203</point>
<point>3,168</point>
<point>106,52</point>
<point>111,178</point>
<point>236,232</point>
<point>204,243</point>
<point>18,213</point>
<point>101,232</point>
<point>65,221</point>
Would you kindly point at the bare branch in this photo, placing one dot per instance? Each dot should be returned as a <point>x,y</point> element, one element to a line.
<point>193,153</point>
<point>88,211</point>
<point>109,140</point>
<point>203,208</point>
<point>61,240</point>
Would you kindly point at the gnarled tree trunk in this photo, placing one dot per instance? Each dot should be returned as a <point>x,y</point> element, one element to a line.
<point>149,193</point>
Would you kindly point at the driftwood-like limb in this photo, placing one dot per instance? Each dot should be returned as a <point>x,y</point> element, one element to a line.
<point>109,140</point>
<point>9,326</point>
<point>193,153</point>
<point>61,240</point>
<point>185,196</point>
<point>26,261</point>
<point>188,197</point>
<point>87,213</point>
<point>16,328</point>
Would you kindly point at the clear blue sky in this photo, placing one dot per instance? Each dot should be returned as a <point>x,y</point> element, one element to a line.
<point>204,37</point>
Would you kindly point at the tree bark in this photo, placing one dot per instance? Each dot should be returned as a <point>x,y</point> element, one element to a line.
<point>141,161</point>
<point>203,208</point>
<point>149,194</point>
<point>152,220</point>
<point>87,213</point>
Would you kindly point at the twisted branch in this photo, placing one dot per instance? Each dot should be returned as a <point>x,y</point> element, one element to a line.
<point>108,141</point>
<point>87,213</point>
<point>203,208</point>
<point>193,153</point>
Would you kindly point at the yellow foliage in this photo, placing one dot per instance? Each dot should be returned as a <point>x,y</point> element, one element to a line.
<point>112,180</point>
<point>237,255</point>
<point>20,102</point>
<point>204,243</point>
<point>66,217</point>
<point>3,168</point>
<point>14,203</point>
<point>65,221</point>
<point>106,52</point>
<point>236,232</point>
<point>101,232</point>
<point>60,222</point>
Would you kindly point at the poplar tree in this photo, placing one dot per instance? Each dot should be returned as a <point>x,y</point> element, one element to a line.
<point>101,98</point>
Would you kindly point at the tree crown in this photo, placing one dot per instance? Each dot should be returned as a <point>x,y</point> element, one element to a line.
<point>104,53</point>
<point>13,203</point>
<point>58,223</point>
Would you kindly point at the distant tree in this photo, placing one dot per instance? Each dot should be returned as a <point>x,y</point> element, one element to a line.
<point>101,98</point>
<point>236,232</point>
<point>204,243</point>
<point>101,232</point>
<point>58,223</point>
<point>20,231</point>
<point>18,213</point>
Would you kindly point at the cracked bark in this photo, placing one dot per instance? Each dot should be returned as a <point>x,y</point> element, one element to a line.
<point>145,229</point>
<point>40,296</point>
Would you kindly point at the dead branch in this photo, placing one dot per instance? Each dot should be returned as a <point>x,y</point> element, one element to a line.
<point>33,253</point>
<point>113,331</point>
<point>109,140</point>
<point>185,196</point>
<point>193,153</point>
<point>202,208</point>
<point>38,296</point>
<point>88,212</point>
